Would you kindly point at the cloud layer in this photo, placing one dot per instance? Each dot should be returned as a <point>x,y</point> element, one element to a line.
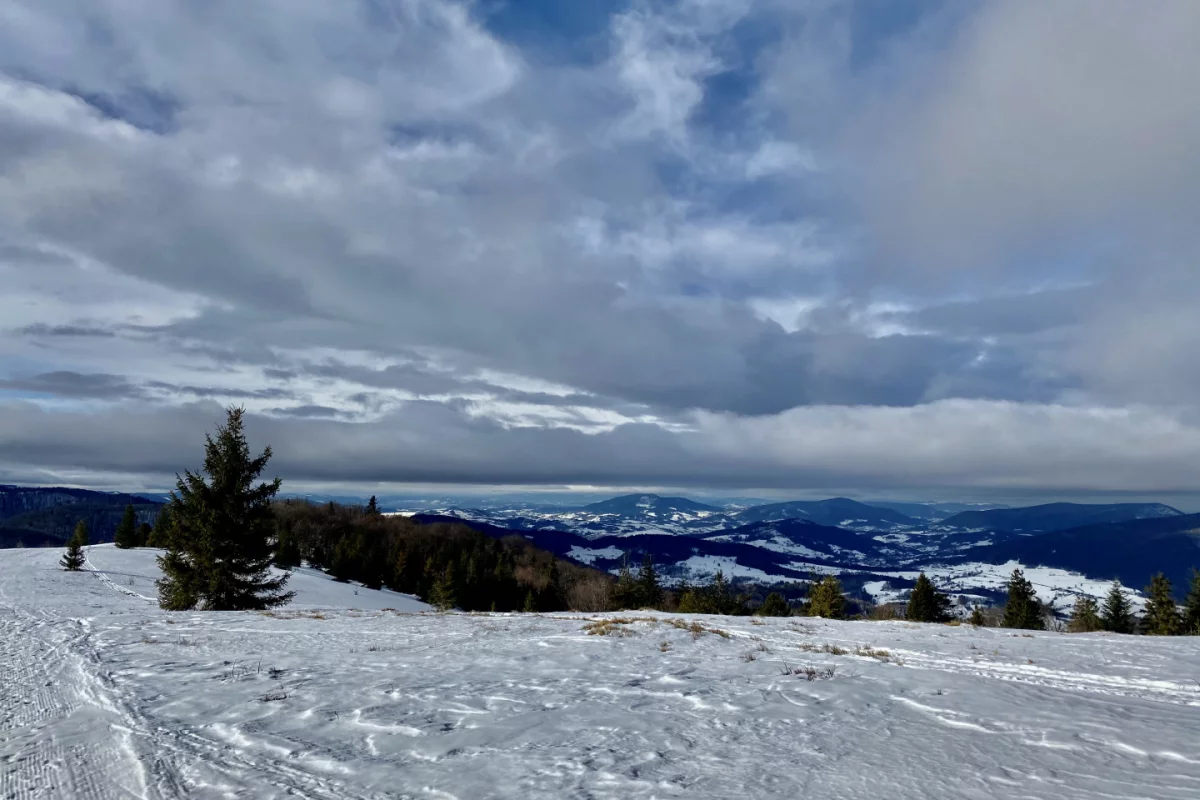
<point>721,244</point>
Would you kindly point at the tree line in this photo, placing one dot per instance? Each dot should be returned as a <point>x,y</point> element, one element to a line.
<point>228,545</point>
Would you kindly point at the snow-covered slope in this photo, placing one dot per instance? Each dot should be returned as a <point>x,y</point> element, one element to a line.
<point>106,696</point>
<point>135,571</point>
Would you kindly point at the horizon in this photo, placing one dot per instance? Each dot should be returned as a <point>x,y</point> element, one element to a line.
<point>583,496</point>
<point>915,250</point>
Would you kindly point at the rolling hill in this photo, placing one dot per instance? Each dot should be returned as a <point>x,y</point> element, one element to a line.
<point>1056,516</point>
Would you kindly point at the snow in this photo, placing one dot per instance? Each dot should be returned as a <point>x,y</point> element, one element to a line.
<point>106,696</point>
<point>703,567</point>
<point>135,571</point>
<point>587,555</point>
<point>1055,587</point>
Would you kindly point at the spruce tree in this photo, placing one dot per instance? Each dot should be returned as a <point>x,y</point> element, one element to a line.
<point>219,556</point>
<point>977,618</point>
<point>287,550</point>
<point>719,597</point>
<point>926,603</point>
<point>74,558</point>
<point>826,599</point>
<point>1162,615</point>
<point>650,594</point>
<point>625,593</point>
<point>1191,607</point>
<point>160,534</point>
<point>774,606</point>
<point>530,603</point>
<point>1023,609</point>
<point>1117,615</point>
<point>1084,616</point>
<point>442,595</point>
<point>143,534</point>
<point>372,506</point>
<point>126,536</point>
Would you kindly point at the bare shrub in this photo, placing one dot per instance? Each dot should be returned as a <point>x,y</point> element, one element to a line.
<point>591,593</point>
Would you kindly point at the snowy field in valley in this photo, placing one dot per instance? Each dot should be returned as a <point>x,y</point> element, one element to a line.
<point>106,696</point>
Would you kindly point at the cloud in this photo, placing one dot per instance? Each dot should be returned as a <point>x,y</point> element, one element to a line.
<point>934,447</point>
<point>377,223</point>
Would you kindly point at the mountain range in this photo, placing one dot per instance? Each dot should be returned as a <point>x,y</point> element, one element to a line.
<point>877,549</point>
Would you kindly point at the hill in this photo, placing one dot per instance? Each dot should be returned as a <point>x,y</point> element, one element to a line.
<point>1132,551</point>
<point>1057,516</point>
<point>651,507</point>
<point>838,512</point>
<point>52,512</point>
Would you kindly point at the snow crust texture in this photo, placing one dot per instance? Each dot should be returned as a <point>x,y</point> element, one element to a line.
<point>106,696</point>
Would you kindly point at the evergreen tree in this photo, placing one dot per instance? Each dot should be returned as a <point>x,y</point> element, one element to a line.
<point>1117,615</point>
<point>691,601</point>
<point>143,534</point>
<point>83,533</point>
<point>287,550</point>
<point>977,618</point>
<point>1162,616</point>
<point>625,593</point>
<point>219,556</point>
<point>74,558</point>
<point>127,531</point>
<point>774,606</point>
<point>442,595</point>
<point>161,532</point>
<point>1084,616</point>
<point>1191,607</point>
<point>650,594</point>
<point>530,603</point>
<point>826,599</point>
<point>372,506</point>
<point>926,603</point>
<point>1023,609</point>
<point>719,596</point>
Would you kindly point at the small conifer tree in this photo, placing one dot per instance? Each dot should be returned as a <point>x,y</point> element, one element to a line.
<point>219,553</point>
<point>442,596</point>
<point>1023,609</point>
<point>1117,615</point>
<point>926,603</point>
<point>1162,616</point>
<point>73,559</point>
<point>287,550</point>
<point>625,593</point>
<point>650,594</point>
<point>1191,607</point>
<point>977,618</point>
<point>372,506</point>
<point>126,536</point>
<point>826,599</point>
<point>1085,617</point>
<point>161,532</point>
<point>530,603</point>
<point>143,534</point>
<point>774,606</point>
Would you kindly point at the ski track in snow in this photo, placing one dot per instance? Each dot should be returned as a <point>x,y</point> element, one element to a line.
<point>106,696</point>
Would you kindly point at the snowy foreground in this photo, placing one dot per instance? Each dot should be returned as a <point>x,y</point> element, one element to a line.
<point>106,696</point>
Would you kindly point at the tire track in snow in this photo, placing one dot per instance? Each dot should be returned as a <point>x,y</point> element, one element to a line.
<point>62,732</point>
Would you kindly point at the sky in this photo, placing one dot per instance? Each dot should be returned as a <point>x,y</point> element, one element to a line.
<point>945,250</point>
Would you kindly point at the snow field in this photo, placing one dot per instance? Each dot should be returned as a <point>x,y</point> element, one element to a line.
<point>112,697</point>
